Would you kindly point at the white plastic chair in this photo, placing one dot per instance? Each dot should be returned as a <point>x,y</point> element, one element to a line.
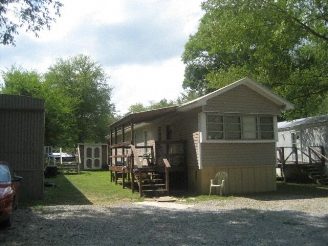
<point>219,182</point>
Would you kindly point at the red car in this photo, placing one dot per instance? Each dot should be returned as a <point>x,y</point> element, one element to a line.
<point>9,188</point>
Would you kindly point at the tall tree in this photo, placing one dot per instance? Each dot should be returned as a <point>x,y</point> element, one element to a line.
<point>85,83</point>
<point>18,81</point>
<point>77,99</point>
<point>188,95</point>
<point>163,103</point>
<point>281,43</point>
<point>139,107</point>
<point>31,15</point>
<point>59,121</point>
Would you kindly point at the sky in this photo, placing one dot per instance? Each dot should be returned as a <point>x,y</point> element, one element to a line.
<point>139,44</point>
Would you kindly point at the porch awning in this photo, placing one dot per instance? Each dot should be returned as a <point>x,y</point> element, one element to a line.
<point>145,116</point>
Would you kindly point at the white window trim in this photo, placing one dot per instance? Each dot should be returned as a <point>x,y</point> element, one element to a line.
<point>203,131</point>
<point>200,137</point>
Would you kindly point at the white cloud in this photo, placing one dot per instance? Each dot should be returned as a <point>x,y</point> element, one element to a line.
<point>139,43</point>
<point>189,13</point>
<point>107,12</point>
<point>142,84</point>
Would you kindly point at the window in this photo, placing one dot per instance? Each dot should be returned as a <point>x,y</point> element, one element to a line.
<point>236,127</point>
<point>232,127</point>
<point>266,127</point>
<point>214,126</point>
<point>249,127</point>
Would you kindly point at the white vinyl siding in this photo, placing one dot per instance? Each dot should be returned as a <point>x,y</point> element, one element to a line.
<point>241,154</point>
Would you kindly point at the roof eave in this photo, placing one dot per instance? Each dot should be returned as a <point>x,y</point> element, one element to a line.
<point>145,116</point>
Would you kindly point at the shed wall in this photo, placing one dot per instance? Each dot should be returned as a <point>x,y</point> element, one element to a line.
<point>22,141</point>
<point>93,164</point>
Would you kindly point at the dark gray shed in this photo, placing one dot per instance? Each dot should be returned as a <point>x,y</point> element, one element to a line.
<point>22,141</point>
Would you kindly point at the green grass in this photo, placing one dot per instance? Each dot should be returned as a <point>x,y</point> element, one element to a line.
<point>94,187</point>
<point>289,191</point>
<point>301,189</point>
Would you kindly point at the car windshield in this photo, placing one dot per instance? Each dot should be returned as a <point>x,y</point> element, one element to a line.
<point>4,174</point>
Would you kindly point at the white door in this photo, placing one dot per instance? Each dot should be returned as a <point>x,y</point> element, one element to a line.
<point>92,157</point>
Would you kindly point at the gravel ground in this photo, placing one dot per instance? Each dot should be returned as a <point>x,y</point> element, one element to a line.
<point>240,221</point>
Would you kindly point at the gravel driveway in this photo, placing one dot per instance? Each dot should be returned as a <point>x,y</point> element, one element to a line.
<point>240,221</point>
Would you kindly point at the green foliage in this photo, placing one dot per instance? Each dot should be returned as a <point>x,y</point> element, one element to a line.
<point>60,123</point>
<point>139,107</point>
<point>161,104</point>
<point>58,114</point>
<point>282,44</point>
<point>31,15</point>
<point>189,95</point>
<point>85,83</point>
<point>21,82</point>
<point>77,99</point>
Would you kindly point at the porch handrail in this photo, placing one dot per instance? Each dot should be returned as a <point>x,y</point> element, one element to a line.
<point>320,155</point>
<point>133,164</point>
<point>135,156</point>
<point>166,162</point>
<point>282,154</point>
<point>167,173</point>
<point>283,160</point>
<point>167,168</point>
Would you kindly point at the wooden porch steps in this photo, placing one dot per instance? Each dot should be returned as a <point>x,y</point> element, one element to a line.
<point>152,184</point>
<point>316,174</point>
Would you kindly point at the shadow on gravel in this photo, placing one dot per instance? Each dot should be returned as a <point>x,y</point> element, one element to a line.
<point>150,225</point>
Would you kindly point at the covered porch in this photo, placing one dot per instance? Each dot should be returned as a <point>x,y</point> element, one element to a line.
<point>151,166</point>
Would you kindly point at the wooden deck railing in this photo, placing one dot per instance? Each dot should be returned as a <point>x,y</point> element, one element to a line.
<point>167,170</point>
<point>313,156</point>
<point>295,154</point>
<point>130,163</point>
<point>320,154</point>
<point>135,156</point>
